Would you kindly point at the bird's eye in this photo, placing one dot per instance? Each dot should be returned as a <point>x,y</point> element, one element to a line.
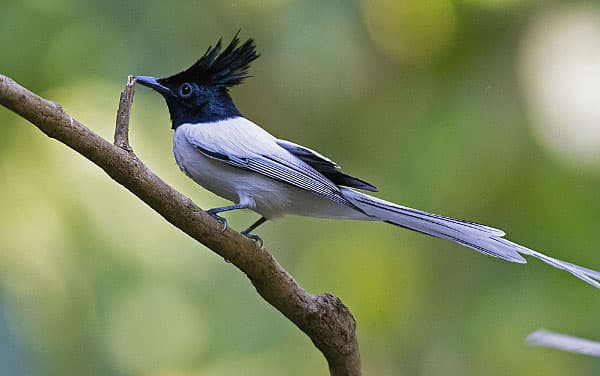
<point>185,90</point>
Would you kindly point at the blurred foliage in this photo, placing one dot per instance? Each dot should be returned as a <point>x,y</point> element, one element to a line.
<point>428,100</point>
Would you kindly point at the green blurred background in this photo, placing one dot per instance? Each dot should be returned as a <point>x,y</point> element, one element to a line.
<point>481,109</point>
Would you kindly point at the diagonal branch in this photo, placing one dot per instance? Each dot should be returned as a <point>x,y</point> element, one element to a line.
<point>329,323</point>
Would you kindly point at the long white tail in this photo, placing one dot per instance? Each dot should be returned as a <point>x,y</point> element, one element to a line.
<point>564,342</point>
<point>483,239</point>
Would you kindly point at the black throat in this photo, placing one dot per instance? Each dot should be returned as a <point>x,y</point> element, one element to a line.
<point>214,108</point>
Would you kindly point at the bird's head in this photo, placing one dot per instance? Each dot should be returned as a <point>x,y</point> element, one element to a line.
<point>199,94</point>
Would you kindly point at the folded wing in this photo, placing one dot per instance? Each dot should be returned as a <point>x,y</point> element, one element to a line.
<point>325,166</point>
<point>279,166</point>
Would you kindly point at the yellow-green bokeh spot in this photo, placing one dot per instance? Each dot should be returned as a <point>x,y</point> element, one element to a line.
<point>410,31</point>
<point>497,4</point>
<point>154,328</point>
<point>375,276</point>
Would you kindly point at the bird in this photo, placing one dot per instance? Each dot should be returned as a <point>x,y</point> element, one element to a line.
<point>231,156</point>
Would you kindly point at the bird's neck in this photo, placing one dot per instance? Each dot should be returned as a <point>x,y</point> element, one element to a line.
<point>217,108</point>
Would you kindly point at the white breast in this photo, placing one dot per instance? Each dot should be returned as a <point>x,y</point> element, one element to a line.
<point>240,137</point>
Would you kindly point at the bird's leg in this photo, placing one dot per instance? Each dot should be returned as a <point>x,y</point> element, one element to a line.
<point>213,213</point>
<point>247,232</point>
<point>254,226</point>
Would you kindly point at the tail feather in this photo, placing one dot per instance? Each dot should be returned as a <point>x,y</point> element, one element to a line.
<point>564,342</point>
<point>484,239</point>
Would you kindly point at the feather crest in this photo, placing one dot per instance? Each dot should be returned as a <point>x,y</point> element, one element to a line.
<point>224,69</point>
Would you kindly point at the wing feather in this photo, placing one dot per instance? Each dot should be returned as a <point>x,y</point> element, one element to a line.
<point>325,166</point>
<point>276,166</point>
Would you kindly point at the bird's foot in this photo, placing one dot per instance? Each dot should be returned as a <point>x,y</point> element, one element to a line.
<point>213,213</point>
<point>253,237</point>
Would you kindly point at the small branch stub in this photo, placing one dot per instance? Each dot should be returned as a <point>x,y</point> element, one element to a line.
<point>123,116</point>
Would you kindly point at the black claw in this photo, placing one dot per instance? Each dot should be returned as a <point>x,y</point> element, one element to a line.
<point>218,218</point>
<point>253,237</point>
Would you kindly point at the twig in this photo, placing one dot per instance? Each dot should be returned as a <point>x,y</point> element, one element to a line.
<point>123,115</point>
<point>324,318</point>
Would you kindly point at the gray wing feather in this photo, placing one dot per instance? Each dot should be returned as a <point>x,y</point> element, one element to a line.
<point>325,166</point>
<point>297,174</point>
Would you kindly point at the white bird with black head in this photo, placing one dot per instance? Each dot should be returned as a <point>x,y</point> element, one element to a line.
<point>236,159</point>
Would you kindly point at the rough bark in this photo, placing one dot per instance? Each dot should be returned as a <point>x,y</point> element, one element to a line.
<point>324,318</point>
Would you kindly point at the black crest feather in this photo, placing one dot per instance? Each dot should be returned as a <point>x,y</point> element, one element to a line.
<point>222,69</point>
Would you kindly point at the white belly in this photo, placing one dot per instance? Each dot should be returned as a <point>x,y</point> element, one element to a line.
<point>268,197</point>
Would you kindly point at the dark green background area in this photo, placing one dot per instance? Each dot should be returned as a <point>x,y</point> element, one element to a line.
<point>427,102</point>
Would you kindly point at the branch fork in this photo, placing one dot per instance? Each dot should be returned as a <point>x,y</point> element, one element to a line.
<point>324,318</point>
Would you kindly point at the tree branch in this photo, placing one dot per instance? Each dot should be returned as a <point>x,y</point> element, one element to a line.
<point>329,323</point>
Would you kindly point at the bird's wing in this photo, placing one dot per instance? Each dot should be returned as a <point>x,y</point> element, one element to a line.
<point>325,166</point>
<point>248,147</point>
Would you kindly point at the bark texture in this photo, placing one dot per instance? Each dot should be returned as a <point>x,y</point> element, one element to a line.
<point>324,318</point>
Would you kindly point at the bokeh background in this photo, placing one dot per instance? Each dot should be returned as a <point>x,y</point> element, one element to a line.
<point>487,110</point>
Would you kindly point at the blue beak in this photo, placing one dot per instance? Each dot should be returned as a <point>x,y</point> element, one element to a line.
<point>153,83</point>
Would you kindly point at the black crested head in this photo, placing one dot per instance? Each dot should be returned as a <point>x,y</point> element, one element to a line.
<point>199,94</point>
<point>220,69</point>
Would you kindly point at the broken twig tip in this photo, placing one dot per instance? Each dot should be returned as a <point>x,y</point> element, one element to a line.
<point>123,114</point>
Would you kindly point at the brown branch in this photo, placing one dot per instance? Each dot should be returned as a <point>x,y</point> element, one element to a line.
<point>324,318</point>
